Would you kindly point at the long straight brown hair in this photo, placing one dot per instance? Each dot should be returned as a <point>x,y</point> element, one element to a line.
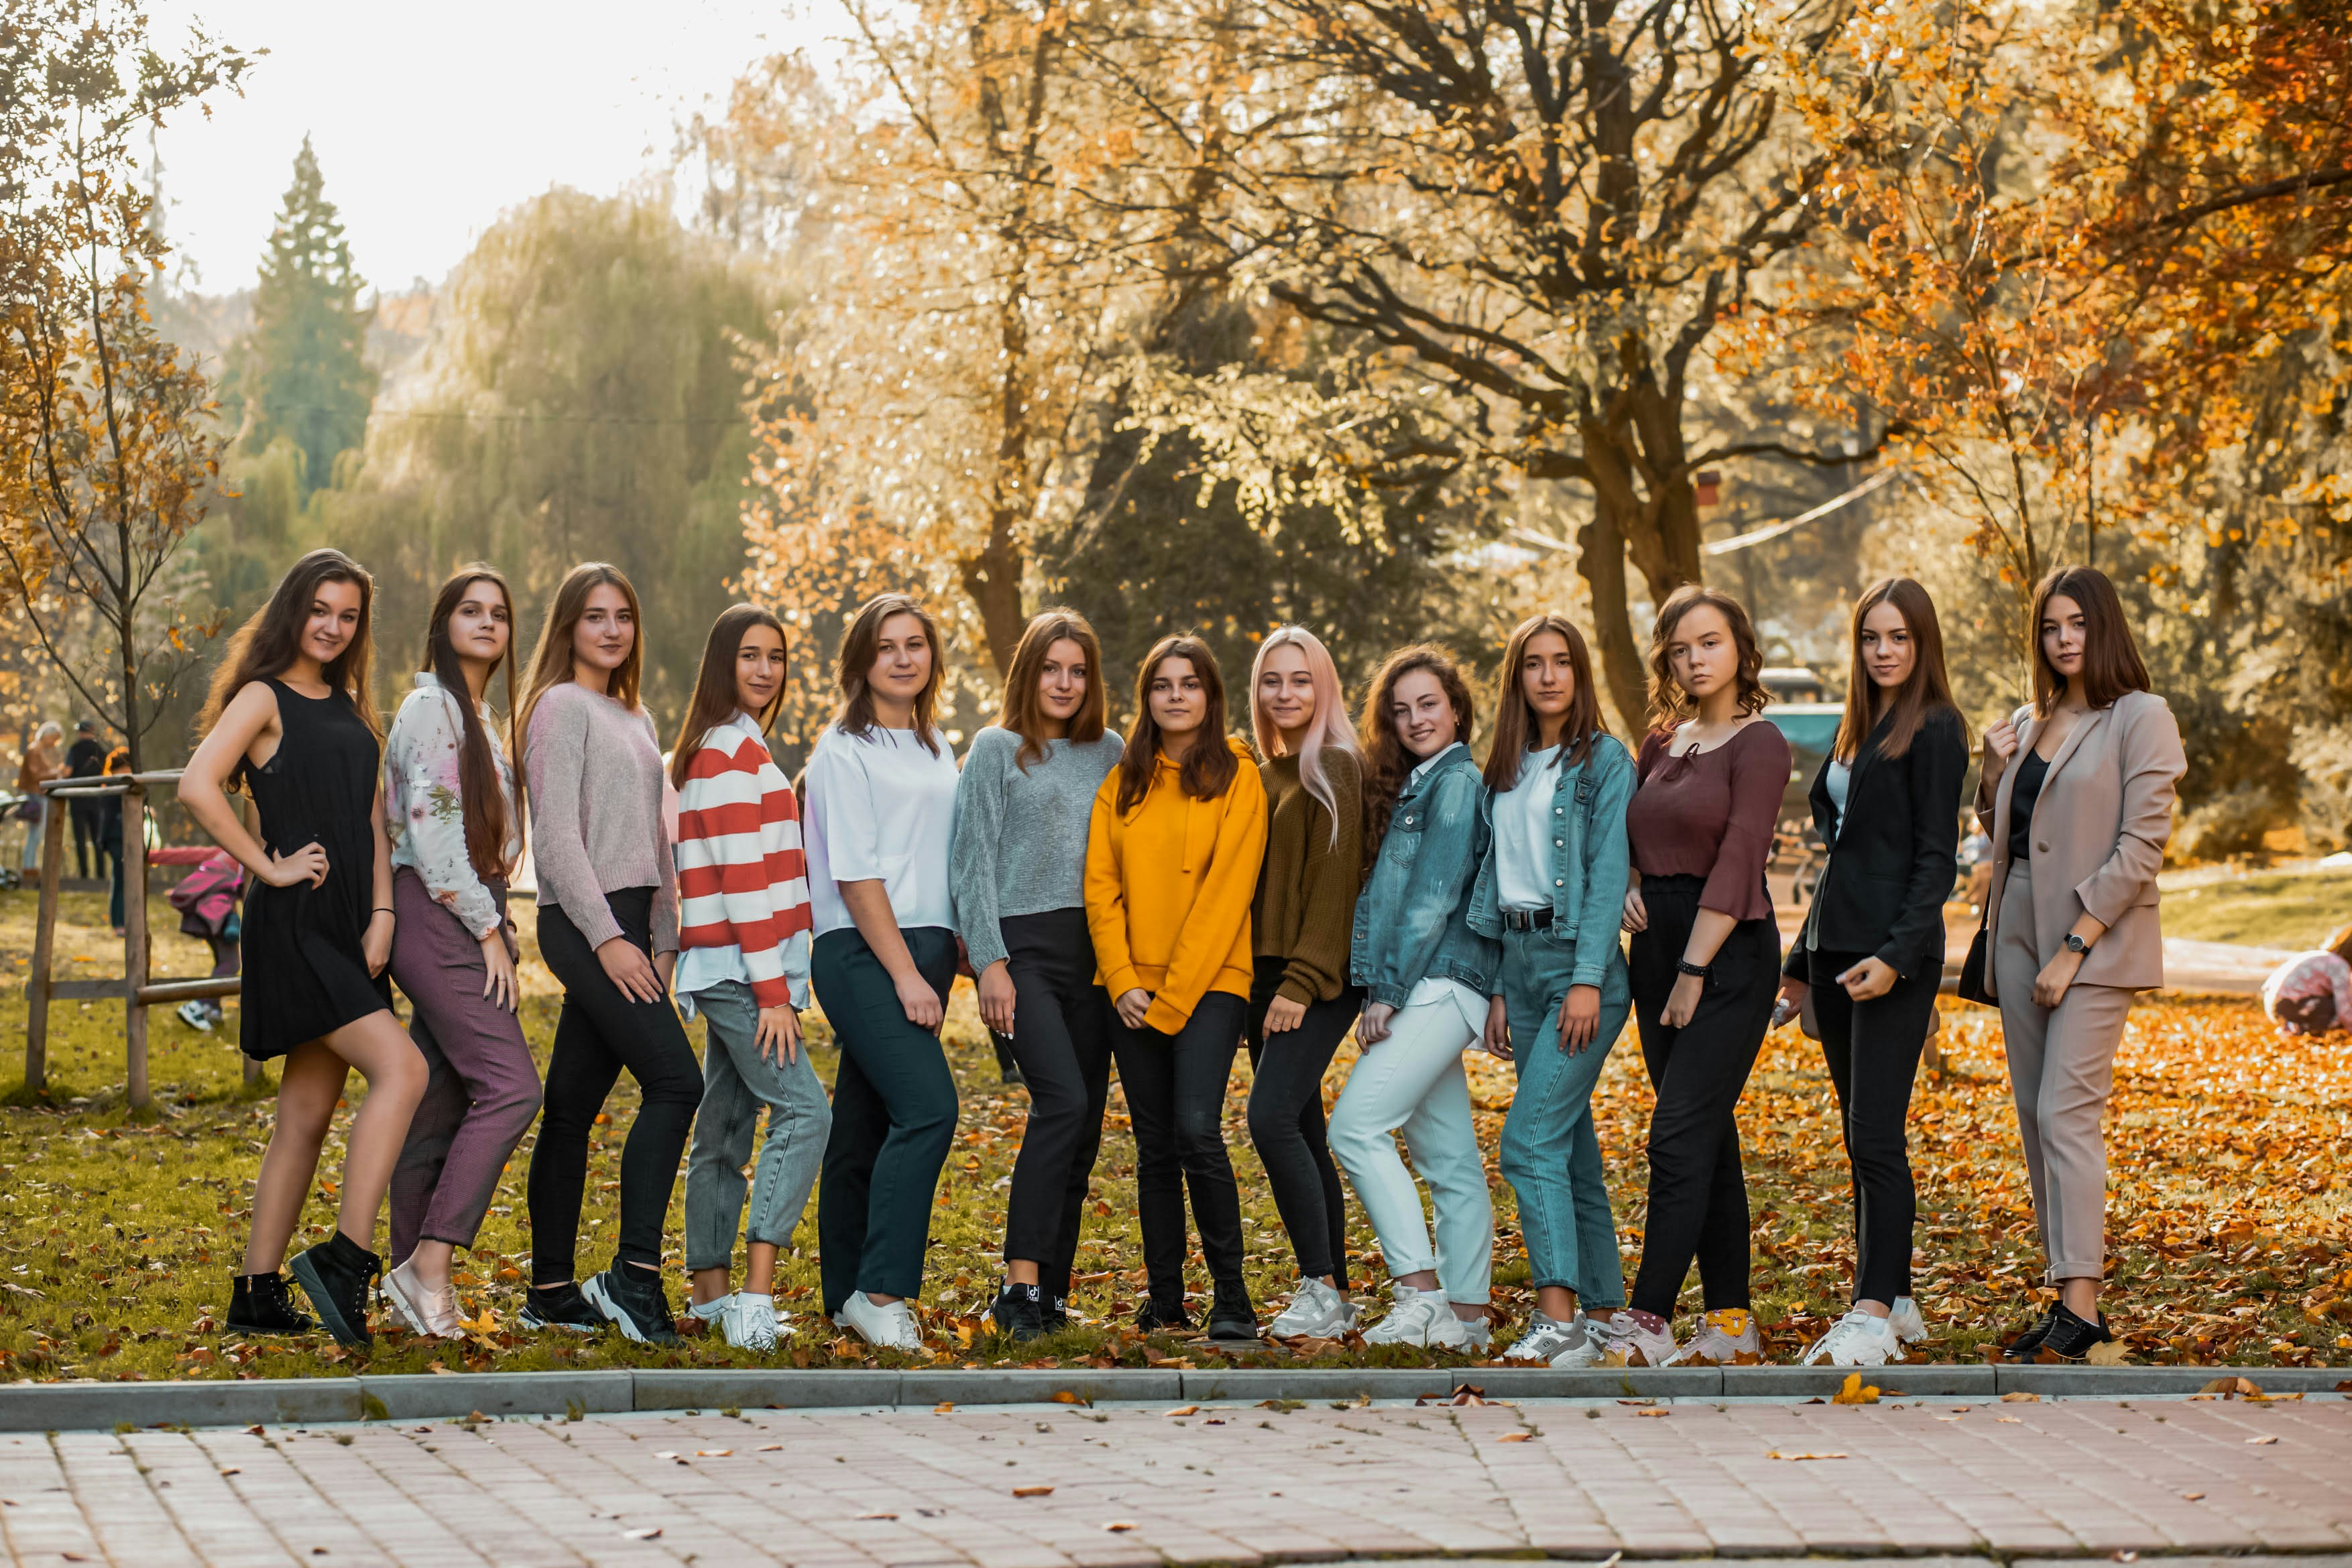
<point>714,683</point>
<point>853,667</point>
<point>1209,765</point>
<point>481,794</point>
<point>1024,712</point>
<point>1927,690</point>
<point>1387,762</point>
<point>2111,660</point>
<point>551,661</point>
<point>265,646</point>
<point>1517,730</point>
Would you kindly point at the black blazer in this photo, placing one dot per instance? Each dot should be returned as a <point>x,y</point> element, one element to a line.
<point>1893,864</point>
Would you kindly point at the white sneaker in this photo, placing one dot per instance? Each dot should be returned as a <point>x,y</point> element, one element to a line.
<point>1472,1336</point>
<point>1551,1343</point>
<point>1725,1337</point>
<point>888,1327</point>
<point>1856,1339</point>
<point>1416,1316</point>
<point>749,1322</point>
<point>1316,1311</point>
<point>1624,1342</point>
<point>1910,1326</point>
<point>195,1015</point>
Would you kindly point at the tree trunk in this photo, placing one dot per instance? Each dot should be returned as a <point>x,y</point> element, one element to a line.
<point>1602,563</point>
<point>993,580</point>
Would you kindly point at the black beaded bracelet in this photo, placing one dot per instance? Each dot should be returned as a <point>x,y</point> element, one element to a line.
<point>1687,968</point>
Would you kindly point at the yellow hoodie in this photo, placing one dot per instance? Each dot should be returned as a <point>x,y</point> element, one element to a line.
<point>1168,889</point>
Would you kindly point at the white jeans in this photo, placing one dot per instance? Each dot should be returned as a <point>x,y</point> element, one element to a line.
<point>1413,1079</point>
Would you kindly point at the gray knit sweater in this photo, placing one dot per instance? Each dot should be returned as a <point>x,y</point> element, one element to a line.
<point>1020,845</point>
<point>595,774</point>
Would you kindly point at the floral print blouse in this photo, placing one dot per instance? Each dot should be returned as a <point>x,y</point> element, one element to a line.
<point>424,812</point>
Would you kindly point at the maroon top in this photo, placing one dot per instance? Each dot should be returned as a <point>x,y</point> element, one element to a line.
<point>1711,814</point>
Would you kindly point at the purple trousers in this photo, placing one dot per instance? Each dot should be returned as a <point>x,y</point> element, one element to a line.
<point>483,1088</point>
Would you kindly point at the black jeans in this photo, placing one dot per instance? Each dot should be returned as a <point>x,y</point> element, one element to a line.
<point>893,1116</point>
<point>599,1033</point>
<point>1699,1193</point>
<point>1285,1121</point>
<point>1061,1041</point>
<point>1176,1100</point>
<point>88,820</point>
<point>1874,1055</point>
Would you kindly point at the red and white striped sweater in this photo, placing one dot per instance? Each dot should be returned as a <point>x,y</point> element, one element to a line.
<point>741,880</point>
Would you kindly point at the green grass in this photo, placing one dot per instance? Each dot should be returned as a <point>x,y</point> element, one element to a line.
<point>2229,1214</point>
<point>2293,912</point>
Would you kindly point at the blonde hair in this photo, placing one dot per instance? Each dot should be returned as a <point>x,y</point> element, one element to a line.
<point>1329,728</point>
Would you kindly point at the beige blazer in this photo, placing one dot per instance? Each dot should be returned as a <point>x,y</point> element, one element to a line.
<point>2099,830</point>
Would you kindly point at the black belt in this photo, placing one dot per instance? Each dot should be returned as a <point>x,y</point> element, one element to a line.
<point>1526,919</point>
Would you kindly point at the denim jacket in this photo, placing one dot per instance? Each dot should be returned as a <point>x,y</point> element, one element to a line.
<point>1411,920</point>
<point>1591,863</point>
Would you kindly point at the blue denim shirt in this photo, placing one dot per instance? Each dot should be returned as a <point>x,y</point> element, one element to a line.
<point>1410,922</point>
<point>1590,865</point>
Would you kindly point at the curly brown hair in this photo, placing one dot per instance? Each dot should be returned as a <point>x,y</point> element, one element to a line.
<point>1387,762</point>
<point>1669,703</point>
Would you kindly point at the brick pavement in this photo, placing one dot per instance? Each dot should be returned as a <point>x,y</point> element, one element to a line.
<point>908,1489</point>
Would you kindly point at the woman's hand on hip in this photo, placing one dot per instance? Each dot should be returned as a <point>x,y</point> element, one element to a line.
<point>1579,1019</point>
<point>1283,1015</point>
<point>1683,1001</point>
<point>631,972</point>
<point>778,1035</point>
<point>921,1003</point>
<point>308,863</point>
<point>1869,980</point>
<point>376,945</point>
<point>1497,1038</point>
<point>499,970</point>
<point>996,998</point>
<point>1373,1027</point>
<point>2050,985</point>
<point>1132,1006</point>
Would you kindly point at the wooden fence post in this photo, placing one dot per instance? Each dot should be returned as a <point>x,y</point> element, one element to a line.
<point>134,941</point>
<point>44,941</point>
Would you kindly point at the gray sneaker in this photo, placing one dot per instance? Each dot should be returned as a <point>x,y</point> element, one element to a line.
<point>1316,1311</point>
<point>1725,1337</point>
<point>1548,1341</point>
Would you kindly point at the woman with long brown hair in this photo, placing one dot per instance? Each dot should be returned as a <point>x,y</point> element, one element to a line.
<point>456,823</point>
<point>1172,854</point>
<point>1551,892</point>
<point>743,938</point>
<point>608,930</point>
<point>1424,975</point>
<point>1704,964</point>
<point>881,812</point>
<point>289,720</point>
<point>2077,791</point>
<point>1018,865</point>
<point>1871,955</point>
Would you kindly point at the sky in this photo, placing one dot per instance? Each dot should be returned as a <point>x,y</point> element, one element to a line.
<point>432,116</point>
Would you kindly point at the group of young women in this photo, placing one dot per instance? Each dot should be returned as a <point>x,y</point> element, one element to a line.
<point>1157,901</point>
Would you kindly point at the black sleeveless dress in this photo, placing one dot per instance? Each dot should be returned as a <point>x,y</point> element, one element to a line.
<point>305,971</point>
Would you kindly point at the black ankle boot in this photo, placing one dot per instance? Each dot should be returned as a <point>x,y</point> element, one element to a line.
<point>264,1304</point>
<point>1019,1312</point>
<point>1161,1314</point>
<point>2026,1345</point>
<point>337,1275</point>
<point>2071,1336</point>
<point>1231,1316</point>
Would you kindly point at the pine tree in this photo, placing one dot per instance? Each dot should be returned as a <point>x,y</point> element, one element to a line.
<point>301,370</point>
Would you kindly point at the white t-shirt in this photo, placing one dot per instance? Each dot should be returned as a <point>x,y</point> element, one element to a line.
<point>1522,834</point>
<point>1441,988</point>
<point>881,809</point>
<point>1840,779</point>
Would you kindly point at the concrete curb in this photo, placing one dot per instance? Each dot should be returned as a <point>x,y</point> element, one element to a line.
<point>222,1402</point>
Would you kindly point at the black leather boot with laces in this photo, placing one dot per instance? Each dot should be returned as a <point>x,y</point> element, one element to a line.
<point>264,1304</point>
<point>338,1275</point>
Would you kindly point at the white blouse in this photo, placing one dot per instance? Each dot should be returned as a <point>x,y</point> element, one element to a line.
<point>423,806</point>
<point>880,810</point>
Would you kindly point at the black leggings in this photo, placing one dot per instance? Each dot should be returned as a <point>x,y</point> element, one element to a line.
<point>599,1033</point>
<point>1176,1100</point>
<point>1285,1121</point>
<point>1699,1193</point>
<point>1874,1055</point>
<point>1061,1041</point>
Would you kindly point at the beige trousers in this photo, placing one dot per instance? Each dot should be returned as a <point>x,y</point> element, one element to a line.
<point>2061,1064</point>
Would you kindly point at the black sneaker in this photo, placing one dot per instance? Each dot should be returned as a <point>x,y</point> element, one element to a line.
<point>1163,1315</point>
<point>2026,1345</point>
<point>1020,1312</point>
<point>2071,1336</point>
<point>1231,1316</point>
<point>264,1304</point>
<point>560,1307</point>
<point>631,1299</point>
<point>1057,1313</point>
<point>337,1275</point>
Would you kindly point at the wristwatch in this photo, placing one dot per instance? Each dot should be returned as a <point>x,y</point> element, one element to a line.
<point>2075,945</point>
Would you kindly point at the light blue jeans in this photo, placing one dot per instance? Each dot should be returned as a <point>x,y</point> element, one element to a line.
<point>736,1081</point>
<point>1412,1080</point>
<point>1551,1155</point>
